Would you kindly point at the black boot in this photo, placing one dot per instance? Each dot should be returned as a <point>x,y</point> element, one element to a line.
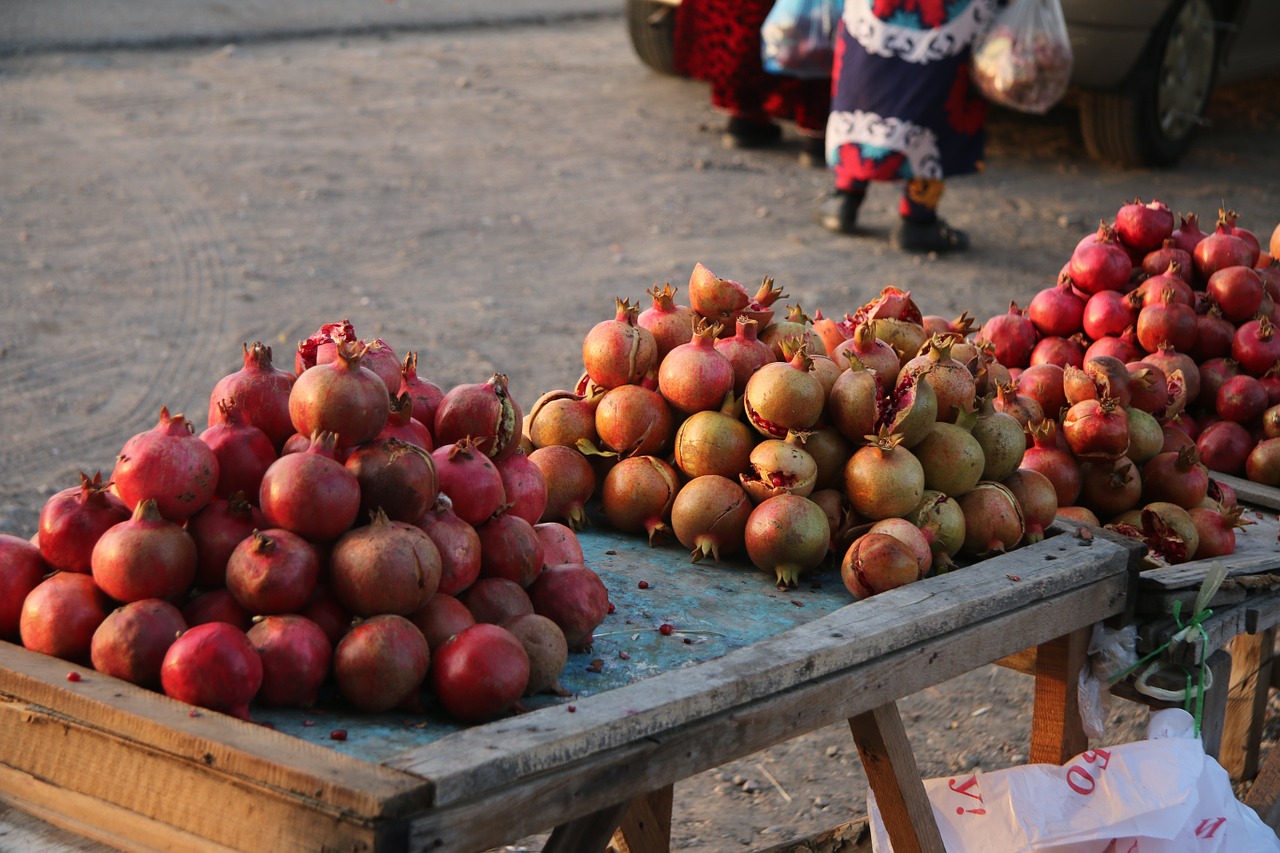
<point>813,152</point>
<point>839,212</point>
<point>741,133</point>
<point>936,236</point>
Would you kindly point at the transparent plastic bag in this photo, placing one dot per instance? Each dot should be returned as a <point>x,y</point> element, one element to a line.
<point>1024,60</point>
<point>797,38</point>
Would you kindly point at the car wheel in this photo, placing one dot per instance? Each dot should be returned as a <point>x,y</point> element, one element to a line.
<point>1152,119</point>
<point>652,29</point>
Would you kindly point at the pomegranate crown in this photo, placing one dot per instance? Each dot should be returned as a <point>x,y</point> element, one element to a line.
<point>664,298</point>
<point>768,294</point>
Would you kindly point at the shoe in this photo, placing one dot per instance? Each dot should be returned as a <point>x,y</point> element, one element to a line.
<point>839,212</point>
<point>741,133</point>
<point>813,152</point>
<point>936,236</point>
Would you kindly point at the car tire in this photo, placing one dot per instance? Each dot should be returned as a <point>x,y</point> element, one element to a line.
<point>1152,119</point>
<point>651,27</point>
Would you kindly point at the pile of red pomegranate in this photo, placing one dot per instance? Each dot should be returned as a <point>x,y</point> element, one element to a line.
<point>1153,361</point>
<point>320,533</point>
<point>730,430</point>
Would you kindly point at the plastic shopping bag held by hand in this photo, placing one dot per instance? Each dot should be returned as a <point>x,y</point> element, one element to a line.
<point>1153,796</point>
<point>1024,61</point>
<point>797,38</point>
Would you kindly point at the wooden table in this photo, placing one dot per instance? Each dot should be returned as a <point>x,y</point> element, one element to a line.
<point>136,770</point>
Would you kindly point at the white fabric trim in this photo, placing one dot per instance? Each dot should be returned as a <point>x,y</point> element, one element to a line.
<point>880,38</point>
<point>917,142</point>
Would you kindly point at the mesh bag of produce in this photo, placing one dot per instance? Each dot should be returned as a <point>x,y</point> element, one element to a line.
<point>798,36</point>
<point>1024,60</point>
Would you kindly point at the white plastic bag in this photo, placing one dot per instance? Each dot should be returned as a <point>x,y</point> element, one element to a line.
<point>1150,793</point>
<point>797,38</point>
<point>1024,60</point>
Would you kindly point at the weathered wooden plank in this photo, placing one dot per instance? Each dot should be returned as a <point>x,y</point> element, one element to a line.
<point>892,773</point>
<point>587,834</point>
<point>646,825</point>
<point>510,807</point>
<point>1256,553</point>
<point>1057,732</point>
<point>148,720</point>
<point>464,764</point>
<point>1264,795</point>
<point>1247,703</point>
<point>1258,613</point>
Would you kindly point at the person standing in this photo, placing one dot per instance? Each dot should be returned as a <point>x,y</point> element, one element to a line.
<point>904,109</point>
<point>718,41</point>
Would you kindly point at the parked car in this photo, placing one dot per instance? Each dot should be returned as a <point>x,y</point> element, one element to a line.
<point>1143,73</point>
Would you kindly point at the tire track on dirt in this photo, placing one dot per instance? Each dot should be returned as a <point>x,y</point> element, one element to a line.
<point>159,371</point>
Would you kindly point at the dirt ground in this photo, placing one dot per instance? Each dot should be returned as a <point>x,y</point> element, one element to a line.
<point>482,197</point>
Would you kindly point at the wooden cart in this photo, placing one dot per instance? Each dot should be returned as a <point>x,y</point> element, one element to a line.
<point>139,771</point>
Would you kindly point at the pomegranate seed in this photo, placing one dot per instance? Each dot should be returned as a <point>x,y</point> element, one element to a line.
<point>611,607</point>
<point>193,713</point>
<point>643,585</point>
<point>572,709</point>
<point>73,676</point>
<point>338,734</point>
<point>306,724</point>
<point>624,655</point>
<point>666,629</point>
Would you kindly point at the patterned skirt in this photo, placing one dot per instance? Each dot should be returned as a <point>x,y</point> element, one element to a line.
<point>903,105</point>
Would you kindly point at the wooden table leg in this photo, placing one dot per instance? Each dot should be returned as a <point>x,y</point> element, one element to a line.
<point>588,834</point>
<point>1057,730</point>
<point>1214,716</point>
<point>1247,703</point>
<point>646,825</point>
<point>892,773</point>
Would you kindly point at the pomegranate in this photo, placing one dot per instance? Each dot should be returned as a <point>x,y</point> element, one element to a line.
<point>953,385</point>
<point>1057,311</point>
<point>714,298</point>
<point>696,376</point>
<point>1242,399</point>
<point>709,516</point>
<point>1110,487</point>
<point>1237,291</point>
<point>618,351</point>
<point>147,556</point>
<point>1168,322</point>
<point>1144,226</point>
<point>952,459</point>
<point>1216,530</point>
<point>1123,347</point>
<point>714,442</point>
<point>424,394</point>
<point>548,652</point>
<point>1110,376</point>
<point>872,353</point>
<point>61,614</point>
<point>394,476</point>
<point>510,548</point>
<point>1187,235</point>
<point>559,543</point>
<point>1012,336</point>
<point>72,520</point>
<point>779,467</point>
<point>131,642</point>
<point>1220,250</point>
<point>440,618</point>
<point>1108,313</point>
<point>1097,429</point>
<point>273,571</point>
<point>213,666</point>
<point>524,485</point>
<point>216,605</point>
<point>383,361</point>
<point>1214,335</point>
<point>457,544</point>
<point>1263,464</point>
<point>381,663</point>
<point>1148,388</point>
<point>262,394</point>
<point>1023,408</point>
<point>169,465</point>
<point>1001,439</point>
<point>343,397</point>
<point>787,535</point>
<point>1059,351</point>
<point>1037,498</point>
<point>384,567</point>
<point>1168,284</point>
<point>470,479</point>
<point>244,452</point>
<point>21,570</point>
<point>325,610</point>
<point>906,532</point>
<point>747,353</point>
<point>1146,436</point>
<point>485,412</point>
<point>402,425</point>
<point>941,520</point>
<point>494,600</point>
<point>311,493</point>
<point>1256,346</point>
<point>296,655</point>
<point>322,346</point>
<point>563,417</point>
<point>575,598</point>
<point>570,483</point>
<point>637,495</point>
<point>1170,361</point>
<point>760,308</point>
<point>993,519</point>
<point>480,673</point>
<point>634,420</point>
<point>877,562</point>
<point>1099,262</point>
<point>1053,460</point>
<point>884,479</point>
<point>1229,218</point>
<point>1042,383</point>
<point>217,530</point>
<point>670,324</point>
